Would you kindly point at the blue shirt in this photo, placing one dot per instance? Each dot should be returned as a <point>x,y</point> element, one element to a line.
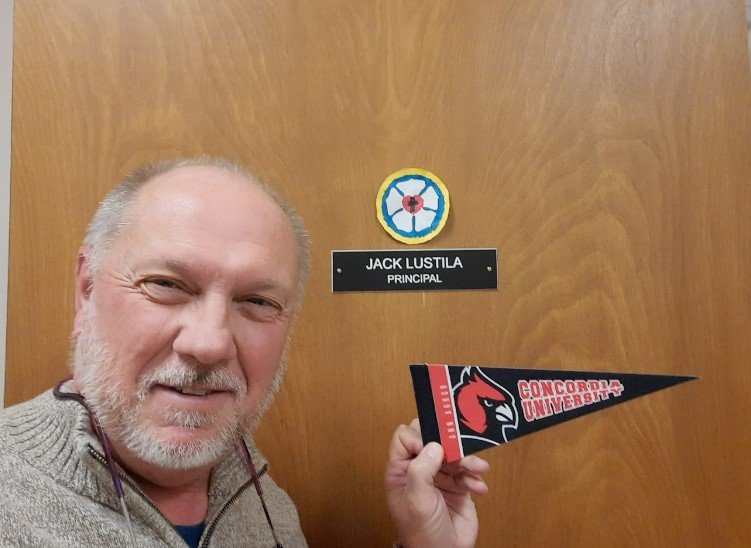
<point>191,533</point>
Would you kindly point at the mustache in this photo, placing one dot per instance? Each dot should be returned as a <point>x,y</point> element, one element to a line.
<point>215,378</point>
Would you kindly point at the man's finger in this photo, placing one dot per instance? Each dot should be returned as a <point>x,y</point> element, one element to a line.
<point>461,484</point>
<point>405,443</point>
<point>472,464</point>
<point>419,491</point>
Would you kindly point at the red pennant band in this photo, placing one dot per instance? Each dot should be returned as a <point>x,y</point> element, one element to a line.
<point>445,411</point>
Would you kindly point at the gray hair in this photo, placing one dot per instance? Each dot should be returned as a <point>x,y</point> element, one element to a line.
<point>114,214</point>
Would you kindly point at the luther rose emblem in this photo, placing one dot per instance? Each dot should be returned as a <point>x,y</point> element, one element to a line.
<point>412,205</point>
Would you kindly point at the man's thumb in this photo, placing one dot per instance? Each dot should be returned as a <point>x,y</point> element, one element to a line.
<point>424,468</point>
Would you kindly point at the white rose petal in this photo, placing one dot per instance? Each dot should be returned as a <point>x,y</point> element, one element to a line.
<point>411,187</point>
<point>393,201</point>
<point>423,219</point>
<point>431,198</point>
<point>403,221</point>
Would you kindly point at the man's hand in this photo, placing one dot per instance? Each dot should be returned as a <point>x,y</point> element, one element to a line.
<point>431,503</point>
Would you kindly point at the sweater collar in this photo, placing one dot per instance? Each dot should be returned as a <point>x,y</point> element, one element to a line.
<point>58,437</point>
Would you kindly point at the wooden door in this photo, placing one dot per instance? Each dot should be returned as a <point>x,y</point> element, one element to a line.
<point>601,146</point>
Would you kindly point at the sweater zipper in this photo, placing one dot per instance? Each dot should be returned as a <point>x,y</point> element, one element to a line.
<point>210,530</point>
<point>98,456</point>
<point>207,534</point>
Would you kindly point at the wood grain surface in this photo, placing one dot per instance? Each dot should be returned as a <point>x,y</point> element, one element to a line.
<point>602,146</point>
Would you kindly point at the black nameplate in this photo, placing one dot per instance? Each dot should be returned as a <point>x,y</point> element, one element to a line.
<point>414,270</point>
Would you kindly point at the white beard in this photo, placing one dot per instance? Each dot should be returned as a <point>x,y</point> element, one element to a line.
<point>120,411</point>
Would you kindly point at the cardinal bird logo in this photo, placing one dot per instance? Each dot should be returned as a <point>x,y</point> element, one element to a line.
<point>485,409</point>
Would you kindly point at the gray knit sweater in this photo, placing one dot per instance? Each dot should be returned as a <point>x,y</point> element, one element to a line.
<point>55,490</point>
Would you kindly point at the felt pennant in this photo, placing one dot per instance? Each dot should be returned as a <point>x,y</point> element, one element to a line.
<point>468,408</point>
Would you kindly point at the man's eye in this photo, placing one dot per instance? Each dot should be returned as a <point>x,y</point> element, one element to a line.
<point>169,284</point>
<point>261,308</point>
<point>165,291</point>
<point>164,288</point>
<point>260,301</point>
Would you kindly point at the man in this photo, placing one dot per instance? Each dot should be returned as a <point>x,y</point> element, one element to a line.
<point>187,283</point>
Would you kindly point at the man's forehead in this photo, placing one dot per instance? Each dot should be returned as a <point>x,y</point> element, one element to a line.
<point>208,192</point>
<point>206,204</point>
<point>203,181</point>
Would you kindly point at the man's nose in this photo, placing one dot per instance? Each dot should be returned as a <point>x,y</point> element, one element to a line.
<point>205,332</point>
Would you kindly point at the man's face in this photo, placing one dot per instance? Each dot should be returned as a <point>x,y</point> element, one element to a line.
<point>179,343</point>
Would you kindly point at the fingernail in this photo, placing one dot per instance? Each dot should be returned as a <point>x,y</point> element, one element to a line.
<point>434,450</point>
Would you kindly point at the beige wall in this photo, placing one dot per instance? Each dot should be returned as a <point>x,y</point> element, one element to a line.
<point>6,71</point>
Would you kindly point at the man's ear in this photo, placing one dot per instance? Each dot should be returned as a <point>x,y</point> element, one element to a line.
<point>84,283</point>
